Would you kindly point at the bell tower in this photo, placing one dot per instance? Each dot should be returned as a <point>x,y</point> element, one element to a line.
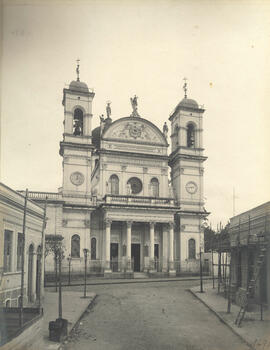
<point>76,147</point>
<point>186,161</point>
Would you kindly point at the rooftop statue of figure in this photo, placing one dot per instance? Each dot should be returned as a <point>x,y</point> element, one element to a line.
<point>165,130</point>
<point>108,109</point>
<point>134,105</point>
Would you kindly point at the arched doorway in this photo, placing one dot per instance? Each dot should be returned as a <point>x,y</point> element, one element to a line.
<point>38,272</point>
<point>30,272</point>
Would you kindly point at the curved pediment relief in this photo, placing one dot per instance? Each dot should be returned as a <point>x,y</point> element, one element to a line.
<point>135,129</point>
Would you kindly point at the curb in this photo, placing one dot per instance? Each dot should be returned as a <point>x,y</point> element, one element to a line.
<point>149,280</point>
<point>222,319</point>
<point>60,346</point>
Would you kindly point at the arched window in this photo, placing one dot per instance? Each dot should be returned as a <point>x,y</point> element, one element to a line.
<point>155,187</point>
<point>191,249</point>
<point>190,136</point>
<point>114,184</point>
<point>75,246</point>
<point>78,122</point>
<point>8,303</point>
<point>93,248</point>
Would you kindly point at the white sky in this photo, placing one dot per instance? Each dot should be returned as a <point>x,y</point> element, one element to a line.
<point>143,48</point>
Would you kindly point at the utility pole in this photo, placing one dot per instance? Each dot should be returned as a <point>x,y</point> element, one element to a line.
<point>23,252</point>
<point>42,260</point>
<point>85,252</point>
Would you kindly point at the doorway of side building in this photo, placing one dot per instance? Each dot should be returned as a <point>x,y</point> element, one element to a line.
<point>263,283</point>
<point>30,273</point>
<point>136,256</point>
<point>114,257</point>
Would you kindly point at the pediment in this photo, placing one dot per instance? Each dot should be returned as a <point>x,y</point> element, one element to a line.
<point>135,130</point>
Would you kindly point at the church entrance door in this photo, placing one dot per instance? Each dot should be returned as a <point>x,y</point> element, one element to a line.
<point>114,257</point>
<point>135,254</point>
<point>156,255</point>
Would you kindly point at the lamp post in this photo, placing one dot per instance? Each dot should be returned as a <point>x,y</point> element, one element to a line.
<point>85,252</point>
<point>201,276</point>
<point>69,259</point>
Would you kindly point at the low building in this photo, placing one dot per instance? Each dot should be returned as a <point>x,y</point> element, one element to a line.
<point>11,246</point>
<point>250,253</point>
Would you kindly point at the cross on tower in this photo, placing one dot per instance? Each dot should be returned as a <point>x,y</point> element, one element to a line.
<point>185,87</point>
<point>78,70</point>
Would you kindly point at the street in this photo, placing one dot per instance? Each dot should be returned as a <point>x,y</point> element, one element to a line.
<point>150,316</point>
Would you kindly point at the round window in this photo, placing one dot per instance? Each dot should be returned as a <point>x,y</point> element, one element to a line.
<point>135,185</point>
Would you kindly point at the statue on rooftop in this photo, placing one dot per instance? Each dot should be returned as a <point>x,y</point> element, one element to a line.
<point>165,130</point>
<point>134,104</point>
<point>108,109</point>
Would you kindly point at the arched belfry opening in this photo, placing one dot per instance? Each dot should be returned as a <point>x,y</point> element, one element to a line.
<point>78,122</point>
<point>190,135</point>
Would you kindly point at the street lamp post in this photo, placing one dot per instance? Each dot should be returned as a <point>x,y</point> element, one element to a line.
<point>69,258</point>
<point>201,275</point>
<point>85,252</point>
<point>203,226</point>
<point>60,285</point>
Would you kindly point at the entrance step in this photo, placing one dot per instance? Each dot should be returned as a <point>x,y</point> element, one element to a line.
<point>140,275</point>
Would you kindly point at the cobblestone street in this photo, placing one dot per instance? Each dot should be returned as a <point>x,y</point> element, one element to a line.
<point>150,316</point>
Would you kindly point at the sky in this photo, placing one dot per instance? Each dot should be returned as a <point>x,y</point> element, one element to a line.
<point>144,48</point>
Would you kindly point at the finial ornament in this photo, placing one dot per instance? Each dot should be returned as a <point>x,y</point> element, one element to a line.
<point>134,104</point>
<point>185,87</point>
<point>78,69</point>
<point>108,109</point>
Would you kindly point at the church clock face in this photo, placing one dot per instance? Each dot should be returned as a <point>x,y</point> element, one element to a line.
<point>77,178</point>
<point>191,187</point>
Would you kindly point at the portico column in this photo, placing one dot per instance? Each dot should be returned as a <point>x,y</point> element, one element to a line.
<point>171,255</point>
<point>129,224</point>
<point>108,245</point>
<point>152,245</point>
<point>165,248</point>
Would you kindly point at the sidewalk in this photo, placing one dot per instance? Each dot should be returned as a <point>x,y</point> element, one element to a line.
<point>73,308</point>
<point>254,332</point>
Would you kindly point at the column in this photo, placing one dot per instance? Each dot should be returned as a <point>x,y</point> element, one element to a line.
<point>171,248</point>
<point>108,246</point>
<point>164,248</point>
<point>152,245</point>
<point>129,225</point>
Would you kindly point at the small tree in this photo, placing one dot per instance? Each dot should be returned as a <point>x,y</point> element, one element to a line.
<point>54,245</point>
<point>209,239</point>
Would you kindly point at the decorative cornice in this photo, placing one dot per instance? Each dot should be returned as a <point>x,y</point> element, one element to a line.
<point>131,154</point>
<point>72,145</point>
<point>188,109</point>
<point>17,205</point>
<point>173,157</point>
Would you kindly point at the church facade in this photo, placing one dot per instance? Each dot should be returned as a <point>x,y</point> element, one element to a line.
<point>126,201</point>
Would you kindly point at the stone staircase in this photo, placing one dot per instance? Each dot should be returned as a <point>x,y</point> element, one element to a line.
<point>140,275</point>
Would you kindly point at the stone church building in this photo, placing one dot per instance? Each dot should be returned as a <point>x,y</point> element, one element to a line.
<point>135,205</point>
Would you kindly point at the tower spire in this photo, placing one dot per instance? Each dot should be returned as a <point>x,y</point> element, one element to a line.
<point>78,69</point>
<point>185,87</point>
